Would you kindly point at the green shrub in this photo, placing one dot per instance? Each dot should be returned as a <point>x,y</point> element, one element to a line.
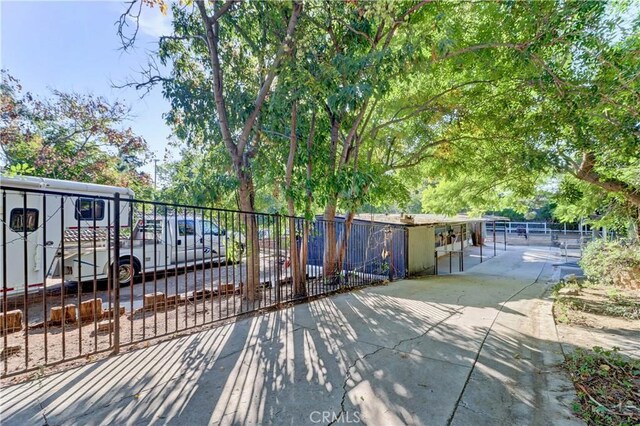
<point>603,261</point>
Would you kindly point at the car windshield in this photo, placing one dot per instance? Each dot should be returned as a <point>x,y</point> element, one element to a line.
<point>210,228</point>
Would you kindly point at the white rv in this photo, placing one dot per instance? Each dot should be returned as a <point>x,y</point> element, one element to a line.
<point>56,231</point>
<point>41,215</point>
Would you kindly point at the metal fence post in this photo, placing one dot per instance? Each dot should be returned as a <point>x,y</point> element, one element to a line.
<point>116,277</point>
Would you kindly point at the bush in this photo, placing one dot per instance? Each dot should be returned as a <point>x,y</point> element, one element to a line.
<point>612,263</point>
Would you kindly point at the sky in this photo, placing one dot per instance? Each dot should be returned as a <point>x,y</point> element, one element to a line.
<point>74,46</point>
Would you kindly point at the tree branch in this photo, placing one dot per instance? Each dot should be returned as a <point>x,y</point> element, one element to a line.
<point>285,47</point>
<point>223,9</point>
<point>218,95</point>
<point>587,173</point>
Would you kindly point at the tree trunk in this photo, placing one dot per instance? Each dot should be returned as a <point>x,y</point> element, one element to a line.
<point>246,192</point>
<point>299,288</point>
<point>304,253</point>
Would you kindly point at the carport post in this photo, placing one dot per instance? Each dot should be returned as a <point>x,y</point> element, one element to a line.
<point>116,277</point>
<point>505,237</point>
<point>390,239</point>
<point>494,238</point>
<point>435,265</point>
<point>463,229</point>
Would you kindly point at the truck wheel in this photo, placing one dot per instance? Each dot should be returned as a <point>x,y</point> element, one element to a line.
<point>126,272</point>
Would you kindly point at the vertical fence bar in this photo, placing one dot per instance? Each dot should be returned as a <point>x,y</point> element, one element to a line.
<point>174,240</point>
<point>4,279</point>
<point>243,218</point>
<point>220,228</point>
<point>44,277</point>
<point>155,271</point>
<point>95,281</point>
<point>62,248</point>
<point>226,263</point>
<point>242,288</point>
<point>195,270</point>
<point>143,228</point>
<point>110,267</point>
<point>185,233</point>
<point>233,262</point>
<point>165,234</point>
<point>116,275</point>
<point>211,270</point>
<point>277,257</point>
<point>262,260</point>
<point>79,284</point>
<point>202,265</point>
<point>26,279</point>
<point>131,265</point>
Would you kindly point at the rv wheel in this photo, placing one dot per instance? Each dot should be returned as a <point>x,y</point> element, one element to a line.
<point>126,272</point>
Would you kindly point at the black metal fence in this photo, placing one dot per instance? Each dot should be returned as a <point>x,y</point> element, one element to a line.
<point>84,273</point>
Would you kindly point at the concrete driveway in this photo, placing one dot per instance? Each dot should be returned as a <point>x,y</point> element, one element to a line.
<point>478,347</point>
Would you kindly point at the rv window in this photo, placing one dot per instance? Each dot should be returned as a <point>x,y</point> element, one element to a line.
<point>186,227</point>
<point>17,220</point>
<point>88,209</point>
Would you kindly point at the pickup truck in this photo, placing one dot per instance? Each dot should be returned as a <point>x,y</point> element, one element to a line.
<point>155,243</point>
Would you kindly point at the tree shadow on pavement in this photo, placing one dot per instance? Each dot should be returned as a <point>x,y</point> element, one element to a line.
<point>409,352</point>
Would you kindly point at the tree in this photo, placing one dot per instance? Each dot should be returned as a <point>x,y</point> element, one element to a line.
<point>70,136</point>
<point>349,62</point>
<point>569,107</point>
<point>238,50</point>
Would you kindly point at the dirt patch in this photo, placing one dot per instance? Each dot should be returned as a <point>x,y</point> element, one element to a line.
<point>608,387</point>
<point>628,278</point>
<point>589,318</point>
<point>599,307</point>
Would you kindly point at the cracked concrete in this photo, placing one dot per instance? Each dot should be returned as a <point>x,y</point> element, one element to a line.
<point>472,348</point>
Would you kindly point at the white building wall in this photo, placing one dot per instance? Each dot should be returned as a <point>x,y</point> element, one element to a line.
<point>421,250</point>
